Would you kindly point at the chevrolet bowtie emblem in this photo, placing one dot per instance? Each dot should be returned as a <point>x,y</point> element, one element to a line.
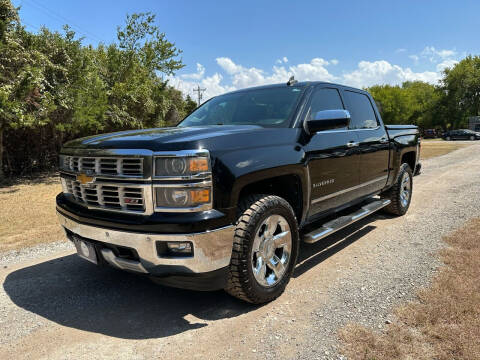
<point>84,179</point>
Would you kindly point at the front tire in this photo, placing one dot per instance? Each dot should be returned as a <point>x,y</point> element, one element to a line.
<point>265,249</point>
<point>448,138</point>
<point>400,194</point>
<point>472,138</point>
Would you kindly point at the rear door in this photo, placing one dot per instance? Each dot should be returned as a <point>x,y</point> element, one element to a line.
<point>373,142</point>
<point>332,161</point>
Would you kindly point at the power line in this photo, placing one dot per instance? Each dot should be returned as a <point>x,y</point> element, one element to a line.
<point>200,95</point>
<point>54,15</point>
<point>51,12</point>
<point>31,25</point>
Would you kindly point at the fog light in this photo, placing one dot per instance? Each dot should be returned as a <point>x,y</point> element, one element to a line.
<point>179,248</point>
<point>168,249</point>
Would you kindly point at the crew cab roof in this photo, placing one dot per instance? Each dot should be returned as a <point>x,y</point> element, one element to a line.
<point>299,84</point>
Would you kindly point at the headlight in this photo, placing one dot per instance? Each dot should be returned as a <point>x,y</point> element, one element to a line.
<point>182,181</point>
<point>173,197</point>
<point>181,166</point>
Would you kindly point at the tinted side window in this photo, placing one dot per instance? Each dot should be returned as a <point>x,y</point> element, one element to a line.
<point>361,110</point>
<point>325,99</point>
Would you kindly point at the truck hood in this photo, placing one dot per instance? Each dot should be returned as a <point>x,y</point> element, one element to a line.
<point>214,137</point>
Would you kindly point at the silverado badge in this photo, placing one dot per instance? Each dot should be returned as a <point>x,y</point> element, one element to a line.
<point>85,180</point>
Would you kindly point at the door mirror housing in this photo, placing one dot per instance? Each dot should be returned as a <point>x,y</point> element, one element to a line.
<point>328,120</point>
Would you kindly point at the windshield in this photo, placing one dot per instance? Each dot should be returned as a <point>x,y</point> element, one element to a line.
<point>271,107</point>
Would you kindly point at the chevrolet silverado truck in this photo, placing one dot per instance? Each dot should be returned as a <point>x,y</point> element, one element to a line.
<point>224,199</point>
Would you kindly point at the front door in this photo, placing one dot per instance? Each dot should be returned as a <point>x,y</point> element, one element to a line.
<point>331,156</point>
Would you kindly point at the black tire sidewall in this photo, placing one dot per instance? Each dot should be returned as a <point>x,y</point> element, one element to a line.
<point>405,169</point>
<point>255,222</point>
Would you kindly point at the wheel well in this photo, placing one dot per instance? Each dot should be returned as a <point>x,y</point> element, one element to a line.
<point>288,187</point>
<point>410,158</point>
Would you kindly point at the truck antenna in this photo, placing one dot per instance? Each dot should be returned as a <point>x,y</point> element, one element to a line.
<point>291,81</point>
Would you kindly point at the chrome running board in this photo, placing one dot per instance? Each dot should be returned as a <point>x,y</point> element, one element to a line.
<point>343,221</point>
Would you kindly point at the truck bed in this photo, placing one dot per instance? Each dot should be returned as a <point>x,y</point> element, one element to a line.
<point>401,130</point>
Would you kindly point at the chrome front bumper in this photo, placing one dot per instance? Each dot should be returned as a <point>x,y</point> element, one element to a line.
<point>212,250</point>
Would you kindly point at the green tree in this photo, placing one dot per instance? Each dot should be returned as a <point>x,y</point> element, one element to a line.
<point>461,86</point>
<point>53,88</point>
<point>413,103</point>
<point>393,102</point>
<point>190,105</point>
<point>22,98</point>
<point>422,99</point>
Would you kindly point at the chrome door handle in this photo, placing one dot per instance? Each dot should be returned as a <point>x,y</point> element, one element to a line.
<point>383,141</point>
<point>352,144</point>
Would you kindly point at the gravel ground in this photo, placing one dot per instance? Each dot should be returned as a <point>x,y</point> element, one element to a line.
<point>34,252</point>
<point>54,305</point>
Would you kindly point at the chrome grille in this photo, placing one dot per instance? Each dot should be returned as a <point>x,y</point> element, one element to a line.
<point>108,196</point>
<point>108,166</point>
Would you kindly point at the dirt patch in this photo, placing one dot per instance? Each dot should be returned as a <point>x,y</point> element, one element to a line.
<point>27,213</point>
<point>445,321</point>
<point>431,149</point>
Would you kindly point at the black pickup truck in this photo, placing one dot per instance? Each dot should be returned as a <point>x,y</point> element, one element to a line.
<point>224,199</point>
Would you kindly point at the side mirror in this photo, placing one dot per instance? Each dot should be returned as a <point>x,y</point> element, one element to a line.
<point>328,120</point>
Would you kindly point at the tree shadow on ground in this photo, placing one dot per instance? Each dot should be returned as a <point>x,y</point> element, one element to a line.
<point>45,178</point>
<point>75,293</point>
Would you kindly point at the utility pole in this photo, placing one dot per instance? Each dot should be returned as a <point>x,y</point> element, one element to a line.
<point>200,95</point>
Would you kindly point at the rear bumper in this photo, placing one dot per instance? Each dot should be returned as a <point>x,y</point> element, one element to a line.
<point>211,250</point>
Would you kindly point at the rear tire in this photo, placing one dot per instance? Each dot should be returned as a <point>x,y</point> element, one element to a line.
<point>472,138</point>
<point>400,194</point>
<point>265,249</point>
<point>448,138</point>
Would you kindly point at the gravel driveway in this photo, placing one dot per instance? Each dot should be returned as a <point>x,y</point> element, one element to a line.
<point>55,306</point>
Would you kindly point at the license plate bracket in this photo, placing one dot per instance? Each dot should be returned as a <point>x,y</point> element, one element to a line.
<point>85,250</point>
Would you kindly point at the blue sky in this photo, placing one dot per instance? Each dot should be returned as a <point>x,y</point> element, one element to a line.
<point>233,44</point>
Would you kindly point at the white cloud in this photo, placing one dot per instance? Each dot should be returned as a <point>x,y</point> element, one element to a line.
<point>242,77</point>
<point>212,84</point>
<point>382,72</point>
<point>449,63</point>
<point>315,70</point>
<point>195,76</point>
<point>415,58</point>
<point>228,65</point>
<point>401,50</point>
<point>231,75</point>
<point>434,55</point>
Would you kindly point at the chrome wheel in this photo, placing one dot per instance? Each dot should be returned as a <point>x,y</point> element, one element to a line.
<point>271,250</point>
<point>405,190</point>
